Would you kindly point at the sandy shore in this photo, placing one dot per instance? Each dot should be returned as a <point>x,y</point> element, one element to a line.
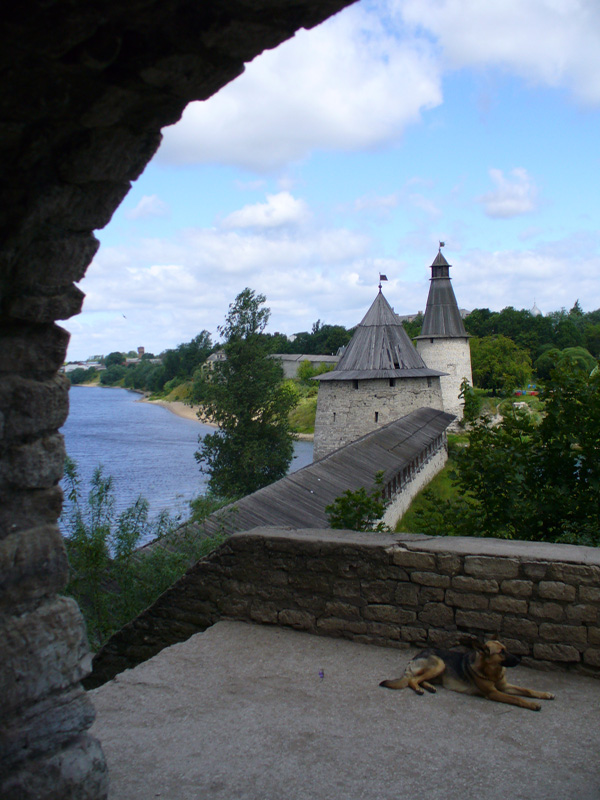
<point>191,412</point>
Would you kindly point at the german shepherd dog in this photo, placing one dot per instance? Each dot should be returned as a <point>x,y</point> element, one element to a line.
<point>479,671</point>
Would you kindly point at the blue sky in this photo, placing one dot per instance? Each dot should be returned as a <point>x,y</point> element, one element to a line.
<point>354,148</point>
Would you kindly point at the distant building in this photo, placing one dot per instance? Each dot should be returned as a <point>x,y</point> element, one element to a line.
<point>291,361</point>
<point>443,342</point>
<point>535,312</point>
<point>379,378</point>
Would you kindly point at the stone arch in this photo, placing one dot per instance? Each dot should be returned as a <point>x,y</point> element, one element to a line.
<point>87,87</point>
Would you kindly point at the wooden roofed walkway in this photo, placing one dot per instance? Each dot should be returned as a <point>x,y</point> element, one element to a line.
<point>299,500</point>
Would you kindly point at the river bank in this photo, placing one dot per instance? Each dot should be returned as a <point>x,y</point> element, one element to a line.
<point>191,412</point>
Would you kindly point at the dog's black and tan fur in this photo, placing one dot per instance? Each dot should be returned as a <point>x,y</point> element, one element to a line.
<point>480,670</point>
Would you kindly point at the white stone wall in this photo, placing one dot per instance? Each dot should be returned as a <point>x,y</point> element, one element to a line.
<point>404,497</point>
<point>454,357</point>
<point>344,413</point>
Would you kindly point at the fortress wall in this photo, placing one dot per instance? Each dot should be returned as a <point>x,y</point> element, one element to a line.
<point>398,590</point>
<point>345,413</point>
<point>454,357</point>
<point>402,499</point>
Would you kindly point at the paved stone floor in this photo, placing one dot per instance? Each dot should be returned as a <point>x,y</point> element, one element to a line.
<point>241,712</point>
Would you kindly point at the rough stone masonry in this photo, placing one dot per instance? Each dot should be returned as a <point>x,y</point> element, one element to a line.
<point>86,87</point>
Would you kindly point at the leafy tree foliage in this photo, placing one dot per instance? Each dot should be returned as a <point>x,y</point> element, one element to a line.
<point>522,480</point>
<point>114,358</point>
<point>499,364</point>
<point>112,375</point>
<point>359,510</point>
<point>81,375</point>
<point>245,394</point>
<point>322,340</point>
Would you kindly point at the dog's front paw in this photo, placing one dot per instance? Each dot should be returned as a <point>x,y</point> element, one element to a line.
<point>548,696</point>
<point>535,707</point>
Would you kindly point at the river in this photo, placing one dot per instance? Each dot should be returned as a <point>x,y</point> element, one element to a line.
<point>147,449</point>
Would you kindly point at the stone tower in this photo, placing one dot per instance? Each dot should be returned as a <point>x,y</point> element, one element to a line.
<point>444,342</point>
<point>380,378</point>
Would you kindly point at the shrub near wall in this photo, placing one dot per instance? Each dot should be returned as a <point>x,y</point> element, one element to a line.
<point>542,600</point>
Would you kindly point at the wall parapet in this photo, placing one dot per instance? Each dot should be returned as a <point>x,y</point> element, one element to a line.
<point>398,590</point>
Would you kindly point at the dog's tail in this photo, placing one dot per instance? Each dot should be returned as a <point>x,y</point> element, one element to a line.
<point>399,683</point>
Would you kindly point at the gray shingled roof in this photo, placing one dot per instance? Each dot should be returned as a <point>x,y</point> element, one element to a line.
<point>299,499</point>
<point>442,318</point>
<point>380,348</point>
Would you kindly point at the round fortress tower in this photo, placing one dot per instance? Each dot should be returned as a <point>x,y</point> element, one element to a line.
<point>380,378</point>
<point>443,342</point>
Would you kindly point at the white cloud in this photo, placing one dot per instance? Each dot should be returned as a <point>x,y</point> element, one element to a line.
<point>555,43</point>
<point>279,210</point>
<point>149,206</point>
<point>376,203</point>
<point>348,84</point>
<point>512,196</point>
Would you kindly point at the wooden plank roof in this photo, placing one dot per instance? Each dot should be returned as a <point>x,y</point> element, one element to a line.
<point>299,499</point>
<point>442,317</point>
<point>380,348</point>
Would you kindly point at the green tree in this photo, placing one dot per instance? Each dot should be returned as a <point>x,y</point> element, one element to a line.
<point>522,479</point>
<point>245,394</point>
<point>114,358</point>
<point>359,510</point>
<point>498,364</point>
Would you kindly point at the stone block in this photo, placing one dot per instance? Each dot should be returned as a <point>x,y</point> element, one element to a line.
<point>33,564</point>
<point>265,613</point>
<point>303,620</point>
<point>448,563</point>
<point>556,652</point>
<point>565,634</point>
<point>491,567</point>
<point>406,594</point>
<point>593,634</point>
<point>336,608</point>
<point>591,656</point>
<point>555,590</point>
<point>582,612</point>
<point>388,613</point>
<point>467,584</point>
<point>51,264</point>
<point>44,651</point>
<point>441,638</point>
<point>75,772</point>
<point>410,559</point>
<point>430,579</point>
<point>346,590</point>
<point>553,611</point>
<point>524,629</point>
<point>577,574</point>
<point>430,594</point>
<point>33,407</point>
<point>61,304</point>
<point>516,646</point>
<point>378,591</point>
<point>535,570</point>
<point>517,588</point>
<point>464,600</point>
<point>512,605</point>
<point>27,349</point>
<point>334,625</point>
<point>486,620</point>
<point>408,633</point>
<point>437,614</point>
<point>383,630</point>
<point>35,465</point>
<point>589,594</point>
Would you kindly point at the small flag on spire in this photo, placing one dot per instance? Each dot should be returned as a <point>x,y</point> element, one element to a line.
<point>442,244</point>
<point>383,277</point>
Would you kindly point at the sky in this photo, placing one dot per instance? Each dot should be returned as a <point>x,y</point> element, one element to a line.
<point>354,149</point>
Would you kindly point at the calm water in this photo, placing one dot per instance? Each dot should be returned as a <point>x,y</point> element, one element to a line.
<point>146,448</point>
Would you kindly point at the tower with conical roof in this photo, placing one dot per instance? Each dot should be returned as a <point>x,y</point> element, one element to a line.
<point>380,378</point>
<point>443,342</point>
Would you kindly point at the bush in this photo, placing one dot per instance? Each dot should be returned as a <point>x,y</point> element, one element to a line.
<point>109,577</point>
<point>359,510</point>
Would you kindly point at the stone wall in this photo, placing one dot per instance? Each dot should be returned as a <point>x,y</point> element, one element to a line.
<point>86,89</point>
<point>347,410</point>
<point>454,357</point>
<point>543,601</point>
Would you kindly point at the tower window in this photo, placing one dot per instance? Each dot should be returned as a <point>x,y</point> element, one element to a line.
<point>334,416</point>
<point>355,384</point>
<point>377,416</point>
<point>429,383</point>
<point>392,381</point>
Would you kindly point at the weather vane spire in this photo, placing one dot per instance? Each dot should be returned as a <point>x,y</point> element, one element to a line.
<point>381,278</point>
<point>442,244</point>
